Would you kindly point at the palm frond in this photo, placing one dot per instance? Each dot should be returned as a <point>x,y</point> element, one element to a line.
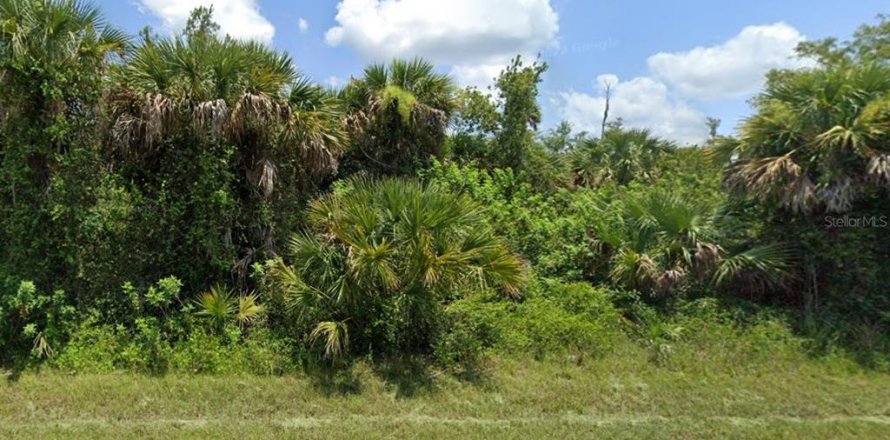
<point>336,338</point>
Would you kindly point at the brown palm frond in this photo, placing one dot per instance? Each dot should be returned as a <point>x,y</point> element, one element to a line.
<point>764,173</point>
<point>878,168</point>
<point>800,194</point>
<point>670,278</point>
<point>126,132</point>
<point>780,176</point>
<point>159,115</point>
<point>838,197</point>
<point>211,117</point>
<point>319,137</point>
<point>266,175</point>
<point>254,111</point>
<point>707,255</point>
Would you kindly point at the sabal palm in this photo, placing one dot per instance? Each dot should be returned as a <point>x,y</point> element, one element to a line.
<point>390,247</point>
<point>620,156</point>
<point>820,138</point>
<point>661,242</point>
<point>52,55</point>
<point>221,306</point>
<point>220,88</point>
<point>55,33</point>
<point>398,113</point>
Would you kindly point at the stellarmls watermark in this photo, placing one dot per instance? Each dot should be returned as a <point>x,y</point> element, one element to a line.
<point>865,221</point>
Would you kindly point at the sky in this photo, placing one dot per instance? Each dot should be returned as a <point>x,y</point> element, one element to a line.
<point>668,64</point>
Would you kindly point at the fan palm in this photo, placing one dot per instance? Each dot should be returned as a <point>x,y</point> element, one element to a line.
<point>820,138</point>
<point>382,256</point>
<point>221,306</point>
<point>661,242</point>
<point>58,33</point>
<point>398,114</point>
<point>52,55</point>
<point>224,89</point>
<point>620,156</point>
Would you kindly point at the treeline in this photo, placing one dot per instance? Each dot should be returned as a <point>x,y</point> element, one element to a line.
<point>160,196</point>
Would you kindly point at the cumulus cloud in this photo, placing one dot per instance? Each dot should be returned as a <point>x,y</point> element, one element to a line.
<point>477,38</point>
<point>303,25</point>
<point>642,102</point>
<point>663,99</point>
<point>238,18</point>
<point>732,69</point>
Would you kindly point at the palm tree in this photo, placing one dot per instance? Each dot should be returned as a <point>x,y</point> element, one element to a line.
<point>269,135</point>
<point>222,306</point>
<point>224,89</point>
<point>381,257</point>
<point>58,33</point>
<point>819,140</point>
<point>398,114</point>
<point>620,156</point>
<point>661,242</point>
<point>53,54</point>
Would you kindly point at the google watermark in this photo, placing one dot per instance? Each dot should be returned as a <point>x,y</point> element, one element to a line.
<point>847,221</point>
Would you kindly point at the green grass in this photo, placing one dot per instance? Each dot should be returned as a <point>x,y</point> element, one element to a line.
<point>621,396</point>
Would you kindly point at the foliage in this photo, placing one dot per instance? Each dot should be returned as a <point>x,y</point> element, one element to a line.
<point>34,323</point>
<point>620,156</point>
<point>380,258</point>
<point>811,163</point>
<point>397,115</point>
<point>870,43</point>
<point>233,117</point>
<point>550,230</point>
<point>517,88</point>
<point>657,238</point>
<point>53,55</point>
<point>497,129</point>
<point>554,319</point>
<point>133,174</point>
<point>817,141</point>
<point>222,306</point>
<point>98,348</point>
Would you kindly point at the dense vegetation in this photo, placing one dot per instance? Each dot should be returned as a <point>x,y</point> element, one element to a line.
<point>192,203</point>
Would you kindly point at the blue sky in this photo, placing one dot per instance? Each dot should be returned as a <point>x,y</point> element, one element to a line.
<point>668,63</point>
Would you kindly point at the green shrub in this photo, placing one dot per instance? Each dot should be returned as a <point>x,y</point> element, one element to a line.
<point>106,348</point>
<point>93,348</point>
<point>379,261</point>
<point>551,230</point>
<point>556,318</point>
<point>35,323</point>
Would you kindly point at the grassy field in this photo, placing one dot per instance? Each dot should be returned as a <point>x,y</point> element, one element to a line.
<point>621,396</point>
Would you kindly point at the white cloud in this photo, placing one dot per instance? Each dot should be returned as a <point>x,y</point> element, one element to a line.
<point>660,100</point>
<point>303,25</point>
<point>641,103</point>
<point>477,38</point>
<point>238,18</point>
<point>732,69</point>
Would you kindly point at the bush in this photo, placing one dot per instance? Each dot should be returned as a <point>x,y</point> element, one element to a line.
<point>551,230</point>
<point>106,348</point>
<point>379,261</point>
<point>556,318</point>
<point>35,323</point>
